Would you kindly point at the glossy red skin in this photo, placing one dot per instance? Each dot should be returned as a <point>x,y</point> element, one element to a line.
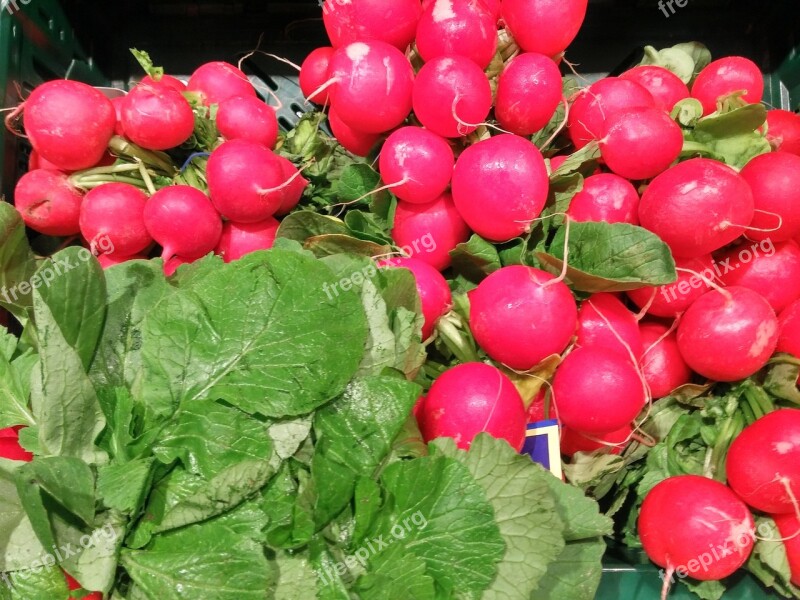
<point>774,179</point>
<point>168,80</point>
<point>529,90</point>
<point>544,26</point>
<point>594,331</point>
<point>314,74</point>
<point>457,27</point>
<point>118,101</point>
<point>420,156</point>
<point>517,320</point>
<point>666,87</point>
<point>605,197</point>
<point>674,298</point>
<point>294,191</point>
<point>48,203</point>
<point>471,398</point>
<point>432,287</point>
<point>783,130</point>
<point>417,410</point>
<point>536,411</point>
<point>573,442</point>
<point>448,85</point>
<point>357,20</point>
<point>74,585</point>
<point>374,85</point>
<point>157,117</point>
<point>641,142</point>
<point>248,118</point>
<point>662,365</point>
<point>167,214</point>
<point>594,105</point>
<point>789,340</point>
<point>218,81</point>
<point>69,123</point>
<point>685,519</point>
<point>116,211</point>
<point>697,207</point>
<point>727,75</point>
<point>728,340</point>
<point>37,162</point>
<point>10,447</point>
<point>788,526</point>
<point>111,260</point>
<point>493,6</point>
<point>439,220</point>
<point>597,390</point>
<point>355,142</point>
<point>240,239</point>
<point>765,453</point>
<point>500,186</point>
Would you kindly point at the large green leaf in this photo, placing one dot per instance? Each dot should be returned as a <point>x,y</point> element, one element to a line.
<point>19,546</point>
<point>66,481</point>
<point>17,263</point>
<point>37,583</point>
<point>14,383</point>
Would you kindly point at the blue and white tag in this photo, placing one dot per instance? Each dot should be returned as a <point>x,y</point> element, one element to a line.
<point>542,444</point>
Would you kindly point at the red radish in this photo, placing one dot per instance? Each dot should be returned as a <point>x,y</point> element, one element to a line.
<point>763,463</point>
<point>431,230</point>
<point>10,447</point>
<point>783,130</point>
<point>725,76</point>
<point>788,526</point>
<point>775,181</point>
<point>244,181</point>
<point>314,74</point>
<point>662,365</point>
<point>471,398</point>
<point>452,96</point>
<point>737,324</point>
<point>294,191</point>
<point>600,101</point>
<point>493,6</point>
<point>170,210</point>
<point>118,101</point>
<point>789,340</point>
<point>372,86</point>
<point>529,91</point>
<point>248,118</point>
<point>417,410</point>
<point>604,321</point>
<point>111,260</point>
<point>605,197</point>
<point>674,298</point>
<point>360,20</point>
<point>557,161</point>
<point>74,585</point>
<point>356,142</point>
<point>641,143</point>
<point>697,207</point>
<point>239,240</point>
<point>457,27</point>
<point>611,443</point>
<point>171,265</point>
<point>536,411</point>
<point>666,87</point>
<point>500,186</point>
<point>167,80</point>
<point>114,214</point>
<point>434,293</point>
<point>520,316</point>
<point>421,159</point>
<point>37,162</point>
<point>695,525</point>
<point>215,82</point>
<point>48,202</point>
<point>157,117</point>
<point>69,123</point>
<point>544,26</point>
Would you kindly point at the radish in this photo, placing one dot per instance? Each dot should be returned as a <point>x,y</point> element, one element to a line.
<point>641,142</point>
<point>536,411</point>
<point>434,293</point>
<point>457,27</point>
<point>293,192</point>
<point>348,21</point>
<point>789,340</point>
<point>697,207</point>
<point>666,88</point>
<point>612,443</point>
<point>605,197</point>
<point>471,398</point>
<point>737,324</point>
<point>520,316</point>
<point>438,223</point>
<point>783,130</point>
<point>248,118</point>
<point>215,82</point>
<point>244,181</point>
<point>417,410</point>
<point>74,585</point>
<point>10,447</point>
<point>171,265</point>
<point>529,91</point>
<point>167,80</point>
<point>774,275</point>
<point>115,213</point>
<point>601,100</point>
<point>775,181</point>
<point>314,74</point>
<point>48,202</point>
<point>763,463</point>
<point>118,101</point>
<point>788,526</point>
<point>696,526</point>
<point>69,123</point>
<point>544,26</point>
<point>500,186</point>
<point>662,365</point>
<point>37,162</point>
<point>492,6</point>
<point>725,76</point>
<point>416,164</point>
<point>238,240</point>
<point>372,83</point>
<point>111,260</point>
<point>603,321</point>
<point>674,298</point>
<point>451,96</point>
<point>355,142</point>
<point>157,117</point>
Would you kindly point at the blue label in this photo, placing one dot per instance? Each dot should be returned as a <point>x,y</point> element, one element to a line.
<point>542,444</point>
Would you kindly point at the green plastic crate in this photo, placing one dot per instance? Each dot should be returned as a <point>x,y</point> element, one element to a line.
<point>782,88</point>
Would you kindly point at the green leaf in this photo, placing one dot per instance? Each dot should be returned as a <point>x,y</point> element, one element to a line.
<point>297,578</point>
<point>14,383</point>
<point>355,182</point>
<point>368,226</point>
<point>290,514</point>
<point>332,244</point>
<point>475,259</point>
<point>684,60</point>
<point>123,486</point>
<point>781,382</point>
<point>38,583</point>
<point>769,561</point>
<point>19,545</point>
<point>17,264</point>
<point>67,481</point>
<point>705,590</point>
<point>575,574</point>
<point>299,226</point>
<point>698,52</point>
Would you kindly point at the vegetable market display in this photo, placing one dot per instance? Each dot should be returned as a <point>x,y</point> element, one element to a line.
<point>247,363</point>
